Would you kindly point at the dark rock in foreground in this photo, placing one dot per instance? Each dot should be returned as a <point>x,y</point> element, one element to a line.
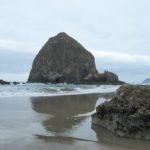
<point>128,113</point>
<point>2,82</point>
<point>63,59</point>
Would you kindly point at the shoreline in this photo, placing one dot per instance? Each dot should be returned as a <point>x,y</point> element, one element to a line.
<point>58,95</point>
<point>35,90</point>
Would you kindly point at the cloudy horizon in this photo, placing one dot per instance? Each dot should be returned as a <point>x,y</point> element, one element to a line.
<point>116,32</point>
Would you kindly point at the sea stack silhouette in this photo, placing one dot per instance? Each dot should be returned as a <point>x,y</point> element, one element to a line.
<point>63,60</point>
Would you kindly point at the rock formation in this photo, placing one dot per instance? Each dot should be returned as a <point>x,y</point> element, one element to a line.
<point>2,82</point>
<point>128,113</point>
<point>63,59</point>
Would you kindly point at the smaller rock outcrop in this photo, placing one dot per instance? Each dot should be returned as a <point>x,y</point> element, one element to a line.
<point>16,83</point>
<point>109,77</point>
<point>2,82</point>
<point>128,112</point>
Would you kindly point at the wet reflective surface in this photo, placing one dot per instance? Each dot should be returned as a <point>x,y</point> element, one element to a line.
<point>67,115</point>
<point>60,123</point>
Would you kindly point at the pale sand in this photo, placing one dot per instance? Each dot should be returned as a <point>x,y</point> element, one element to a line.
<point>57,123</point>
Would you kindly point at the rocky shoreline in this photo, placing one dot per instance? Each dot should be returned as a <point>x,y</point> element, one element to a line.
<point>2,82</point>
<point>128,112</point>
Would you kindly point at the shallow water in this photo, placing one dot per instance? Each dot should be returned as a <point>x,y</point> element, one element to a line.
<point>57,123</point>
<point>39,89</point>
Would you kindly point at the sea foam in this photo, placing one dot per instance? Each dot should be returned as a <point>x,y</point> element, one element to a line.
<point>37,89</point>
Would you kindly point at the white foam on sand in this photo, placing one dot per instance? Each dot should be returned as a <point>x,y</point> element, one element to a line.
<point>36,89</point>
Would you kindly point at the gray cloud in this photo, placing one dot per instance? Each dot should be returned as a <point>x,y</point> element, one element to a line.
<point>15,62</point>
<point>120,26</point>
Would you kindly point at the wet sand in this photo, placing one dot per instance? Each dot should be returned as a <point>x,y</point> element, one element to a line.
<point>57,123</point>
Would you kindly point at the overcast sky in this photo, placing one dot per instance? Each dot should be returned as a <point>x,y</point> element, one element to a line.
<point>117,32</point>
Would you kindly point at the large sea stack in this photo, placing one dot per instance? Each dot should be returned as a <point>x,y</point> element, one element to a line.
<point>63,59</point>
<point>128,112</point>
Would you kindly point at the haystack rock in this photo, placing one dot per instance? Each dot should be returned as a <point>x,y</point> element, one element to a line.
<point>63,59</point>
<point>128,112</point>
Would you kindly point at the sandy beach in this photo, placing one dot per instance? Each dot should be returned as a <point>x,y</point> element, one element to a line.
<point>58,122</point>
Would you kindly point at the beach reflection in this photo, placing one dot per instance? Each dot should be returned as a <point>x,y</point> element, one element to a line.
<point>69,121</point>
<point>64,111</point>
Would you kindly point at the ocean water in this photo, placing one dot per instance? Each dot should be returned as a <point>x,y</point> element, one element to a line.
<point>38,89</point>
